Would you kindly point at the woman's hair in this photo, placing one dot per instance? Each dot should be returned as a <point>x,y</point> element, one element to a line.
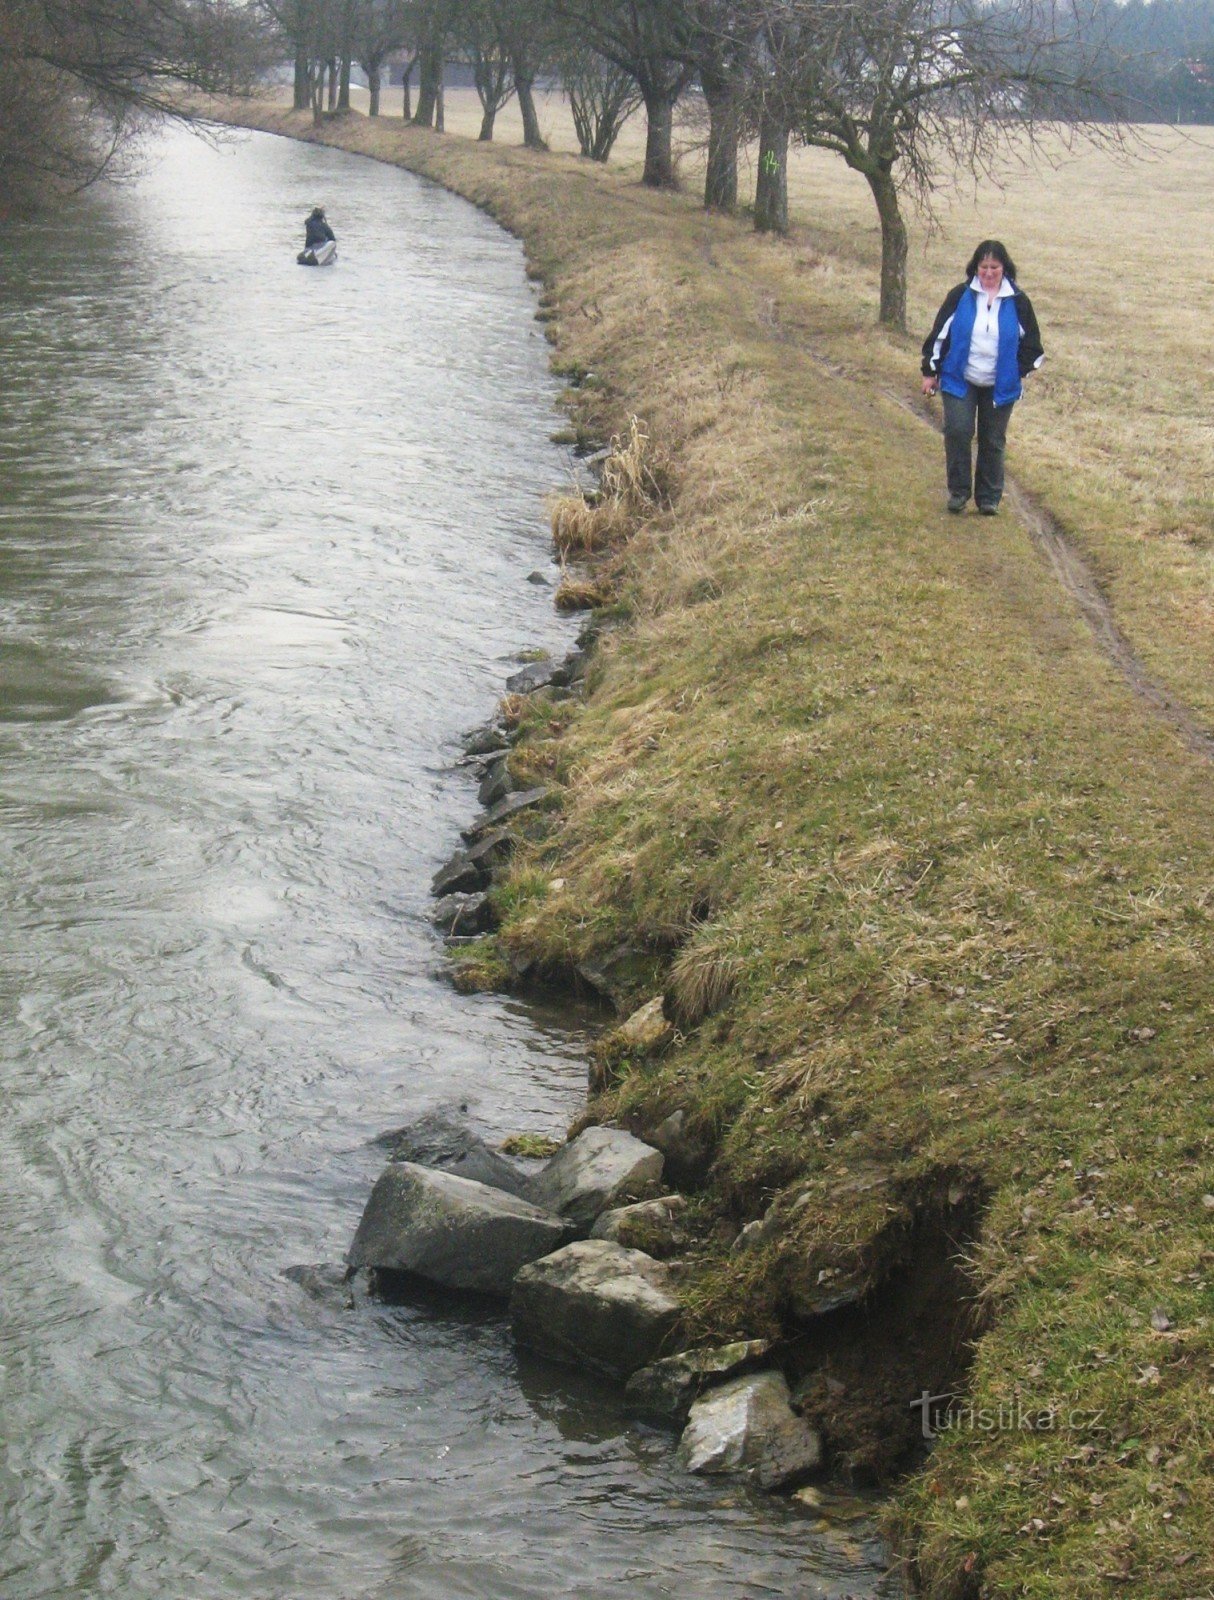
<point>991,247</point>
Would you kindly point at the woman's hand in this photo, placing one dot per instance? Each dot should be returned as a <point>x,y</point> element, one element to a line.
<point>930,385</point>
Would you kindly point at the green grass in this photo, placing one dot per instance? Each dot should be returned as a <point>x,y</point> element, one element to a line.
<point>930,891</point>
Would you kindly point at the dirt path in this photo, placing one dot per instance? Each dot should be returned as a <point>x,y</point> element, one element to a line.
<point>1079,581</point>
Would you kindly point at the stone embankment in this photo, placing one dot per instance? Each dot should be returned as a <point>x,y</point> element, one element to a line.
<point>554,1244</point>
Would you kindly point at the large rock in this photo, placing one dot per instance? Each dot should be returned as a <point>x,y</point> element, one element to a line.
<point>667,1390</point>
<point>510,806</point>
<point>496,784</point>
<point>595,1304</point>
<point>469,871</point>
<point>458,914</point>
<point>594,1172</point>
<point>442,1138</point>
<point>688,1150</point>
<point>536,675</point>
<point>748,1426</point>
<point>647,1030</point>
<point>617,974</point>
<point>452,1231</point>
<point>487,740</point>
<point>649,1225</point>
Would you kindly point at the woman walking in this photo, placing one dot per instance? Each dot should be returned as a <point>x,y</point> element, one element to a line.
<point>983,342</point>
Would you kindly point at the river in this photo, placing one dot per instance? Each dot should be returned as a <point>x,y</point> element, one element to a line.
<point>265,542</point>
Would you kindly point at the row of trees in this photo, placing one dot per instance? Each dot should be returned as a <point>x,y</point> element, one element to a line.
<point>906,92</point>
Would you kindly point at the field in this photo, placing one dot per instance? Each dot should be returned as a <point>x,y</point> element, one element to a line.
<point>1117,431</point>
<point>926,884</point>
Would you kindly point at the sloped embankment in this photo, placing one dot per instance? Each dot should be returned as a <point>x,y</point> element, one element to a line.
<point>928,894</point>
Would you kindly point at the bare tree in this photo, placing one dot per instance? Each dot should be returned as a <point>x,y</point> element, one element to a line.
<point>648,39</point>
<point>601,97</point>
<point>431,22</point>
<point>79,77</point>
<point>909,92</point>
<point>529,32</point>
<point>722,43</point>
<point>380,28</point>
<point>482,44</point>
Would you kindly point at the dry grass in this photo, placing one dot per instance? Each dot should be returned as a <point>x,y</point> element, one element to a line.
<point>581,594</point>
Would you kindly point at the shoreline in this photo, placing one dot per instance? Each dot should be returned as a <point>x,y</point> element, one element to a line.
<point>894,1094</point>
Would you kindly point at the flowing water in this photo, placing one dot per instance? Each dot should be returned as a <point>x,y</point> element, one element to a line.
<point>265,537</point>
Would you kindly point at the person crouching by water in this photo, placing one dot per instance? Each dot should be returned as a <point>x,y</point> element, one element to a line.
<point>317,229</point>
<point>983,342</point>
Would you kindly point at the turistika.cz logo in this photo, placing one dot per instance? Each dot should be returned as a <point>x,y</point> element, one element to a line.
<point>938,1414</point>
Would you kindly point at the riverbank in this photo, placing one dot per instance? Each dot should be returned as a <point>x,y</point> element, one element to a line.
<point>926,887</point>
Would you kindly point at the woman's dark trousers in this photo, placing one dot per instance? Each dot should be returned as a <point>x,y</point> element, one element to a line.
<point>960,414</point>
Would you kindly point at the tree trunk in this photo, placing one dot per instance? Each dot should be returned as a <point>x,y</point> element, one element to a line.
<point>440,116</point>
<point>302,97</point>
<point>431,64</point>
<point>373,91</point>
<point>721,179</point>
<point>771,186</point>
<point>893,250</point>
<point>332,95</point>
<point>488,117</point>
<point>524,82</point>
<point>343,93</point>
<point>406,86</point>
<point>659,135</point>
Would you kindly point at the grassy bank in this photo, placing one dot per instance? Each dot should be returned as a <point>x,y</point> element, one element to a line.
<point>927,888</point>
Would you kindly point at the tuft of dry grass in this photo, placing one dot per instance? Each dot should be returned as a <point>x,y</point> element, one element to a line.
<point>635,484</point>
<point>583,527</point>
<point>582,594</point>
<point>703,976</point>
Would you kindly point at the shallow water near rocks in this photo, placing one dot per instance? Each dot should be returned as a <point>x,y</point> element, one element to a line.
<point>265,536</point>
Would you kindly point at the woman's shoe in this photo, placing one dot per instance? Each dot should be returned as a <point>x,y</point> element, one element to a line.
<point>958,502</point>
<point>988,511</point>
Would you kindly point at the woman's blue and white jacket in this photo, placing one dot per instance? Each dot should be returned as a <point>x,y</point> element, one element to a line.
<point>946,348</point>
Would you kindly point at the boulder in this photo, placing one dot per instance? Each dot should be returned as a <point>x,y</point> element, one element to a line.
<point>748,1426</point>
<point>536,675</point>
<point>503,811</point>
<point>689,1152</point>
<point>452,1231</point>
<point>650,1225</point>
<point>666,1390</point>
<point>465,914</point>
<point>595,1304</point>
<point>496,784</point>
<point>459,875</point>
<point>470,871</point>
<point>646,1031</point>
<point>572,669</point>
<point>487,740</point>
<point>442,1138</point>
<point>617,974</point>
<point>594,1172</point>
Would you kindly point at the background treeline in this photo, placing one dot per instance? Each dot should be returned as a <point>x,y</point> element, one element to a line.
<point>1166,58</point>
<point>906,92</point>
